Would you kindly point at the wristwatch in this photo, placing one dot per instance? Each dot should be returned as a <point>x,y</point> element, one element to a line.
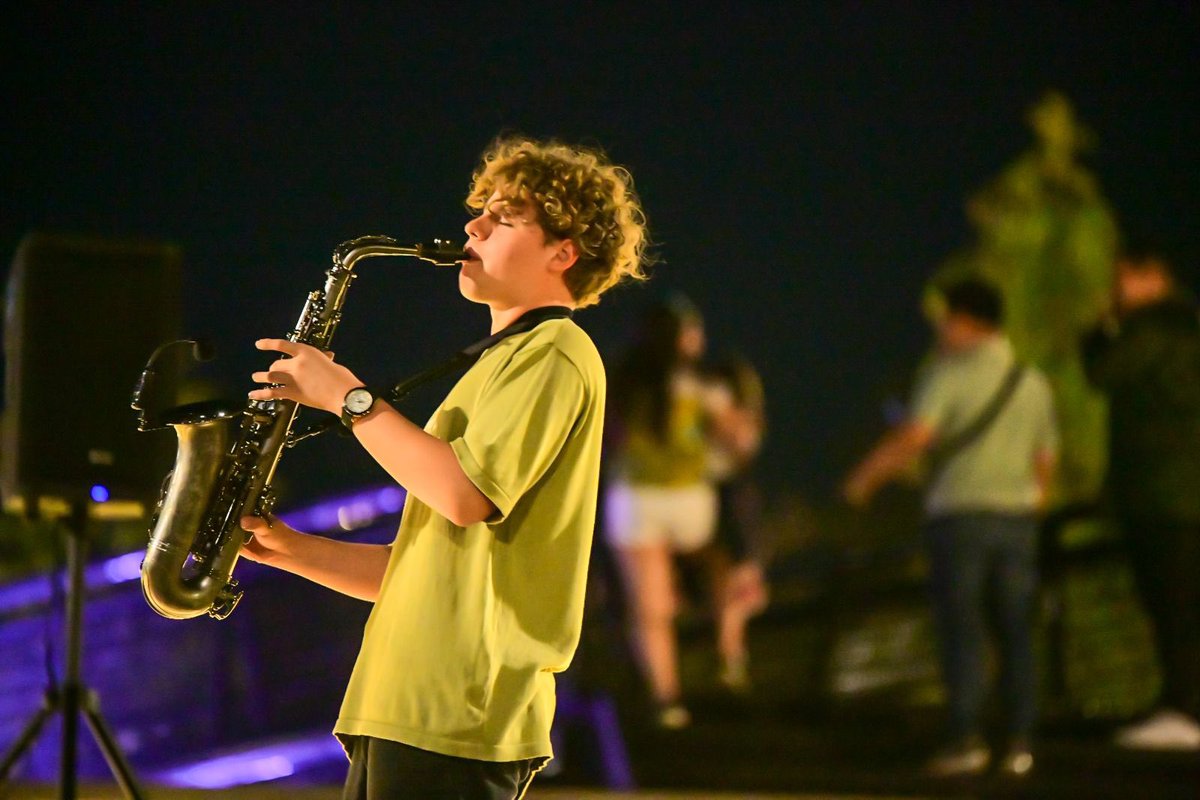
<point>358,403</point>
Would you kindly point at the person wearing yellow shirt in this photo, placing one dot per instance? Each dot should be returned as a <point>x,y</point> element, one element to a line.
<point>478,601</point>
<point>660,502</point>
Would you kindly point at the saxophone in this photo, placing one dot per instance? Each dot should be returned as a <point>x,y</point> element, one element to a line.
<point>227,459</point>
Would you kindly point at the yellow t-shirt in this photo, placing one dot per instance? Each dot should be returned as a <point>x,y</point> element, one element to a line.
<point>460,651</point>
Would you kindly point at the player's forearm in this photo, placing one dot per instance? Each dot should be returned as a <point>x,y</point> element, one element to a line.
<point>352,568</point>
<point>423,464</point>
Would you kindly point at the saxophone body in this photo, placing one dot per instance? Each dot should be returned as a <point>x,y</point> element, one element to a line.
<point>227,458</point>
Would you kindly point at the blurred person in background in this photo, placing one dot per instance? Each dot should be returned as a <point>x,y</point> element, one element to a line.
<point>660,502</point>
<point>985,424</point>
<point>1145,356</point>
<point>735,439</point>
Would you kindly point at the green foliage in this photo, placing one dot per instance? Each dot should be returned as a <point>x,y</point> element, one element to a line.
<point>1111,671</point>
<point>1046,237</point>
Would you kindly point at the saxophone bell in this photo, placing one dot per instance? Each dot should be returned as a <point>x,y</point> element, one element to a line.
<point>155,388</point>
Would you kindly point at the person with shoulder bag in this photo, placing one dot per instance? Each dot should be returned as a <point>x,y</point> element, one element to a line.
<point>986,425</point>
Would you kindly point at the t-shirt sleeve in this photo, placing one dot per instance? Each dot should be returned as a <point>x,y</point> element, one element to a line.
<point>520,425</point>
<point>1047,430</point>
<point>931,399</point>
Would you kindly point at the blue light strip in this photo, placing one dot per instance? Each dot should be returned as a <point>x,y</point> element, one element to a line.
<point>255,765</point>
<point>346,512</point>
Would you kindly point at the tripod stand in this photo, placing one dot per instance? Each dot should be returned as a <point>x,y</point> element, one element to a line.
<point>72,697</point>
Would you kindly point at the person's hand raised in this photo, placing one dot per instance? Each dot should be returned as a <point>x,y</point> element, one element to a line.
<point>305,375</point>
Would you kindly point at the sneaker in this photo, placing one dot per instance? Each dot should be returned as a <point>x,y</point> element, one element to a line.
<point>735,677</point>
<point>673,717</point>
<point>969,756</point>
<point>1018,759</point>
<point>1166,730</point>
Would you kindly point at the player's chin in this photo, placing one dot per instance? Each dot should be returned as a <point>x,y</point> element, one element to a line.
<point>469,289</point>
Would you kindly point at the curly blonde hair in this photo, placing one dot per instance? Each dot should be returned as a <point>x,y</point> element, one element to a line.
<point>577,194</point>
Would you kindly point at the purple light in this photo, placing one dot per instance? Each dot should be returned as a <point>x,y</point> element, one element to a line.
<point>391,499</point>
<point>257,764</point>
<point>29,592</point>
<point>123,568</point>
<point>345,512</point>
<point>100,494</point>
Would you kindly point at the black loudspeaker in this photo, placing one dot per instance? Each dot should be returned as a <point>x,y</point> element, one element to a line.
<point>84,315</point>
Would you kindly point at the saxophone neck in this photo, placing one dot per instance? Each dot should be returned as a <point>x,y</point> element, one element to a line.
<point>440,252</point>
<point>346,253</point>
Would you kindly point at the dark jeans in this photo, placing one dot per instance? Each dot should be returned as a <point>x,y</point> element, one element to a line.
<point>385,770</point>
<point>984,566</point>
<point>1165,556</point>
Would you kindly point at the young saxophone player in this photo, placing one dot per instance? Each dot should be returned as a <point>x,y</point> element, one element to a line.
<point>478,600</point>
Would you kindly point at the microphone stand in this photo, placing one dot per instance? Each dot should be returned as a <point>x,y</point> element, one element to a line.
<point>73,698</point>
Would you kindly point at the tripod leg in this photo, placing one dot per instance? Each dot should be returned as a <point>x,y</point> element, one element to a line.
<point>112,754</point>
<point>27,737</point>
<point>74,698</point>
<point>78,699</point>
<point>68,769</point>
<point>71,689</point>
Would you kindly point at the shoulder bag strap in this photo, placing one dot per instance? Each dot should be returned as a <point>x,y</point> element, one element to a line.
<point>945,451</point>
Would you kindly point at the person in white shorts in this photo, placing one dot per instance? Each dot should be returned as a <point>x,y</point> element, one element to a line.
<point>682,518</point>
<point>659,501</point>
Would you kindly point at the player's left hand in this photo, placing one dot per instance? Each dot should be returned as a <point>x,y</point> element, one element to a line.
<point>305,375</point>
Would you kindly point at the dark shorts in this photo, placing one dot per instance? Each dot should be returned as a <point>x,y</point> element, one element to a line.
<point>381,769</point>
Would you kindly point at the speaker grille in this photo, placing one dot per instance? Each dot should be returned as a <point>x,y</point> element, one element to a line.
<point>83,316</point>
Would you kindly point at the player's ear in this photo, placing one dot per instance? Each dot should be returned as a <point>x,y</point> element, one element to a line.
<point>565,255</point>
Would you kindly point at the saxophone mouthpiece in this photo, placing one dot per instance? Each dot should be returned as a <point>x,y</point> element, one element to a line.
<point>442,253</point>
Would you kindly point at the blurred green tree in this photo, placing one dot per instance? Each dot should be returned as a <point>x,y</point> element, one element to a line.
<point>1045,236</point>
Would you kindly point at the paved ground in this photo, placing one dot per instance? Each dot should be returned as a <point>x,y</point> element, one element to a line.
<point>864,752</point>
<point>770,753</point>
<point>93,792</point>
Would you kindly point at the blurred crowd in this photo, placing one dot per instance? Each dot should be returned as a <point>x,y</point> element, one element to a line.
<point>982,430</point>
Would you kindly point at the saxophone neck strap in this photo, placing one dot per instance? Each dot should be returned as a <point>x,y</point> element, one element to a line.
<point>459,361</point>
<point>471,353</point>
<point>526,322</point>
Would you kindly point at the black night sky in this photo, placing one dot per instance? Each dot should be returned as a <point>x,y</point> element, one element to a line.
<point>803,165</point>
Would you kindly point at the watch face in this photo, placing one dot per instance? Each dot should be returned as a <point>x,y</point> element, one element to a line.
<point>359,401</point>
